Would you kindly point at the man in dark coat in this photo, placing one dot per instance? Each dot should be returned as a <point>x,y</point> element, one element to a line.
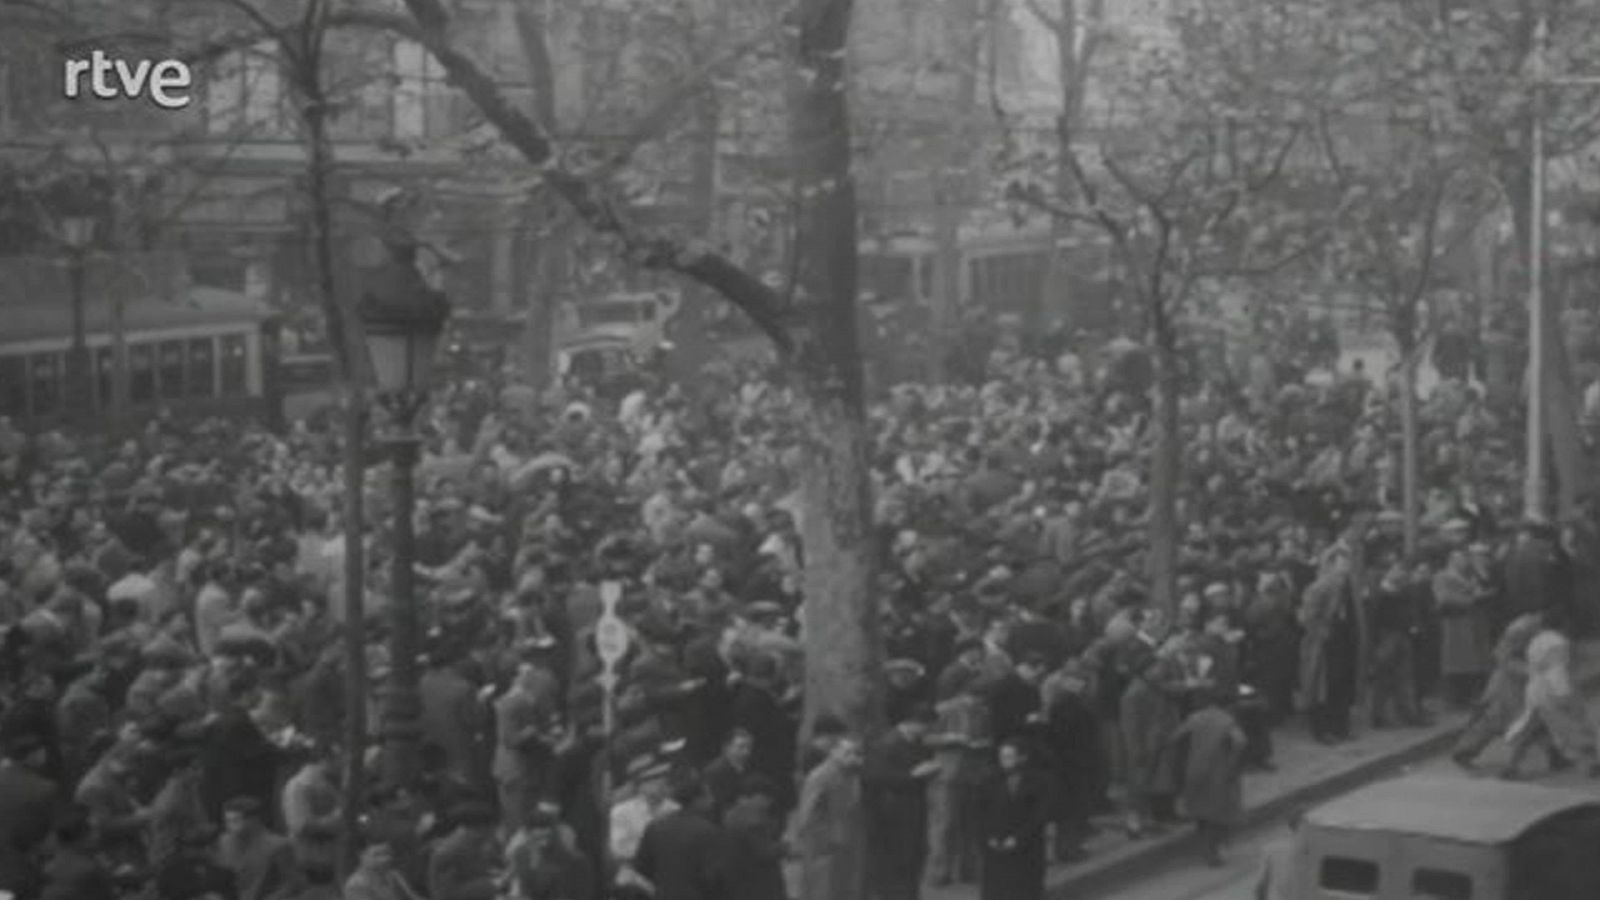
<point>681,852</point>
<point>894,788</point>
<point>1078,755</point>
<point>1016,809</point>
<point>756,708</point>
<point>27,806</point>
<point>753,844</point>
<point>464,865</point>
<point>74,873</point>
<point>1531,569</point>
<point>726,775</point>
<point>1016,706</point>
<point>236,759</point>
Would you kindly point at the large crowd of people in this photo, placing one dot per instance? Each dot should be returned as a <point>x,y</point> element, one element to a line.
<point>173,670</point>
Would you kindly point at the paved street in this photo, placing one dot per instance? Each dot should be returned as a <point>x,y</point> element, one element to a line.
<point>1238,878</point>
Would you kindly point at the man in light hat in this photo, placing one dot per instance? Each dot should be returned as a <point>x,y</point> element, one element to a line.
<point>648,800</point>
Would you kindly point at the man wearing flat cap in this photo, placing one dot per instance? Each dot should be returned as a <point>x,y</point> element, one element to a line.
<point>894,785</point>
<point>466,863</point>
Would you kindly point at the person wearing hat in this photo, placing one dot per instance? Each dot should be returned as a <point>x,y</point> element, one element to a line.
<point>679,853</point>
<point>524,718</point>
<point>894,790</point>
<point>650,800</point>
<point>28,801</point>
<point>189,872</point>
<point>1334,633</point>
<point>177,810</point>
<point>75,871</point>
<point>1212,749</point>
<point>543,866</point>
<point>1532,568</point>
<point>753,858</point>
<point>312,807</point>
<point>757,708</point>
<point>907,687</point>
<point>261,861</point>
<point>465,865</point>
<point>378,876</point>
<point>1465,642</point>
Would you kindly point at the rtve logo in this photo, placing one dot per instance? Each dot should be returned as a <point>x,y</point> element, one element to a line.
<point>164,82</point>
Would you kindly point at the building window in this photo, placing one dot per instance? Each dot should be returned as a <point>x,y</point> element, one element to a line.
<point>44,376</point>
<point>105,369</point>
<point>235,365</point>
<point>171,369</point>
<point>13,386</point>
<point>1358,877</point>
<point>141,373</point>
<point>202,368</point>
<point>1437,884</point>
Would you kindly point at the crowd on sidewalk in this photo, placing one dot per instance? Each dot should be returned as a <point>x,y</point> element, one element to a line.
<point>173,674</point>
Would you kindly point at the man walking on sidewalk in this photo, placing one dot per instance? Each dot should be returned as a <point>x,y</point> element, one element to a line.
<point>1502,699</point>
<point>1555,713</point>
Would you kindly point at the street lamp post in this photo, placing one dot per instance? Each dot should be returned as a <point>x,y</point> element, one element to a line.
<point>402,319</point>
<point>77,233</point>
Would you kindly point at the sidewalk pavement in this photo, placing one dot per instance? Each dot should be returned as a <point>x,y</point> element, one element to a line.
<point>1307,773</point>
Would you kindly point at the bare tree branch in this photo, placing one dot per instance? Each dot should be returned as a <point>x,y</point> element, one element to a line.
<point>702,264</point>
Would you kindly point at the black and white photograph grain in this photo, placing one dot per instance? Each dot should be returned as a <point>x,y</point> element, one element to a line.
<point>799,449</point>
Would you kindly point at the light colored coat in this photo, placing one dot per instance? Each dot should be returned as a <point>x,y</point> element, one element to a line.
<point>1552,699</point>
<point>829,833</point>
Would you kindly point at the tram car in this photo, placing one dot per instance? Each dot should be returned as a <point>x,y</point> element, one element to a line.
<point>209,351</point>
<point>1003,270</point>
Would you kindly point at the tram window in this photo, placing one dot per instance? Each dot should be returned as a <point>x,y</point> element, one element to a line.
<point>234,365</point>
<point>202,368</point>
<point>44,379</point>
<point>1438,884</point>
<point>141,373</point>
<point>13,386</point>
<point>105,367</point>
<point>1344,875</point>
<point>170,354</point>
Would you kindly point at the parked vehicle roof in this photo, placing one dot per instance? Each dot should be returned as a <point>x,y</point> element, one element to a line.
<point>1468,810</point>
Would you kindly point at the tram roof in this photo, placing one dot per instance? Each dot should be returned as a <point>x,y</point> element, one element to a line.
<point>1467,810</point>
<point>197,306</point>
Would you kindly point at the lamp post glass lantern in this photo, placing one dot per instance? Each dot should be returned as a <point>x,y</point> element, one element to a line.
<point>402,320</point>
<point>76,232</point>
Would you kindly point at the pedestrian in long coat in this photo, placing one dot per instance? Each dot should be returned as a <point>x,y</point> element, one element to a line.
<point>1464,642</point>
<point>454,720</point>
<point>1015,811</point>
<point>1149,715</point>
<point>895,785</point>
<point>1333,633</point>
<point>827,832</point>
<point>1212,748</point>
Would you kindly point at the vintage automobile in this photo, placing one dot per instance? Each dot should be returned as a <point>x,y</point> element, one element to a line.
<point>1450,838</point>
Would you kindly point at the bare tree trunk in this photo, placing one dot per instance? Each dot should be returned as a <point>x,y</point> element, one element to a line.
<point>343,338</point>
<point>1166,461</point>
<point>1411,500</point>
<point>355,638</point>
<point>1561,441</point>
<point>842,638</point>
